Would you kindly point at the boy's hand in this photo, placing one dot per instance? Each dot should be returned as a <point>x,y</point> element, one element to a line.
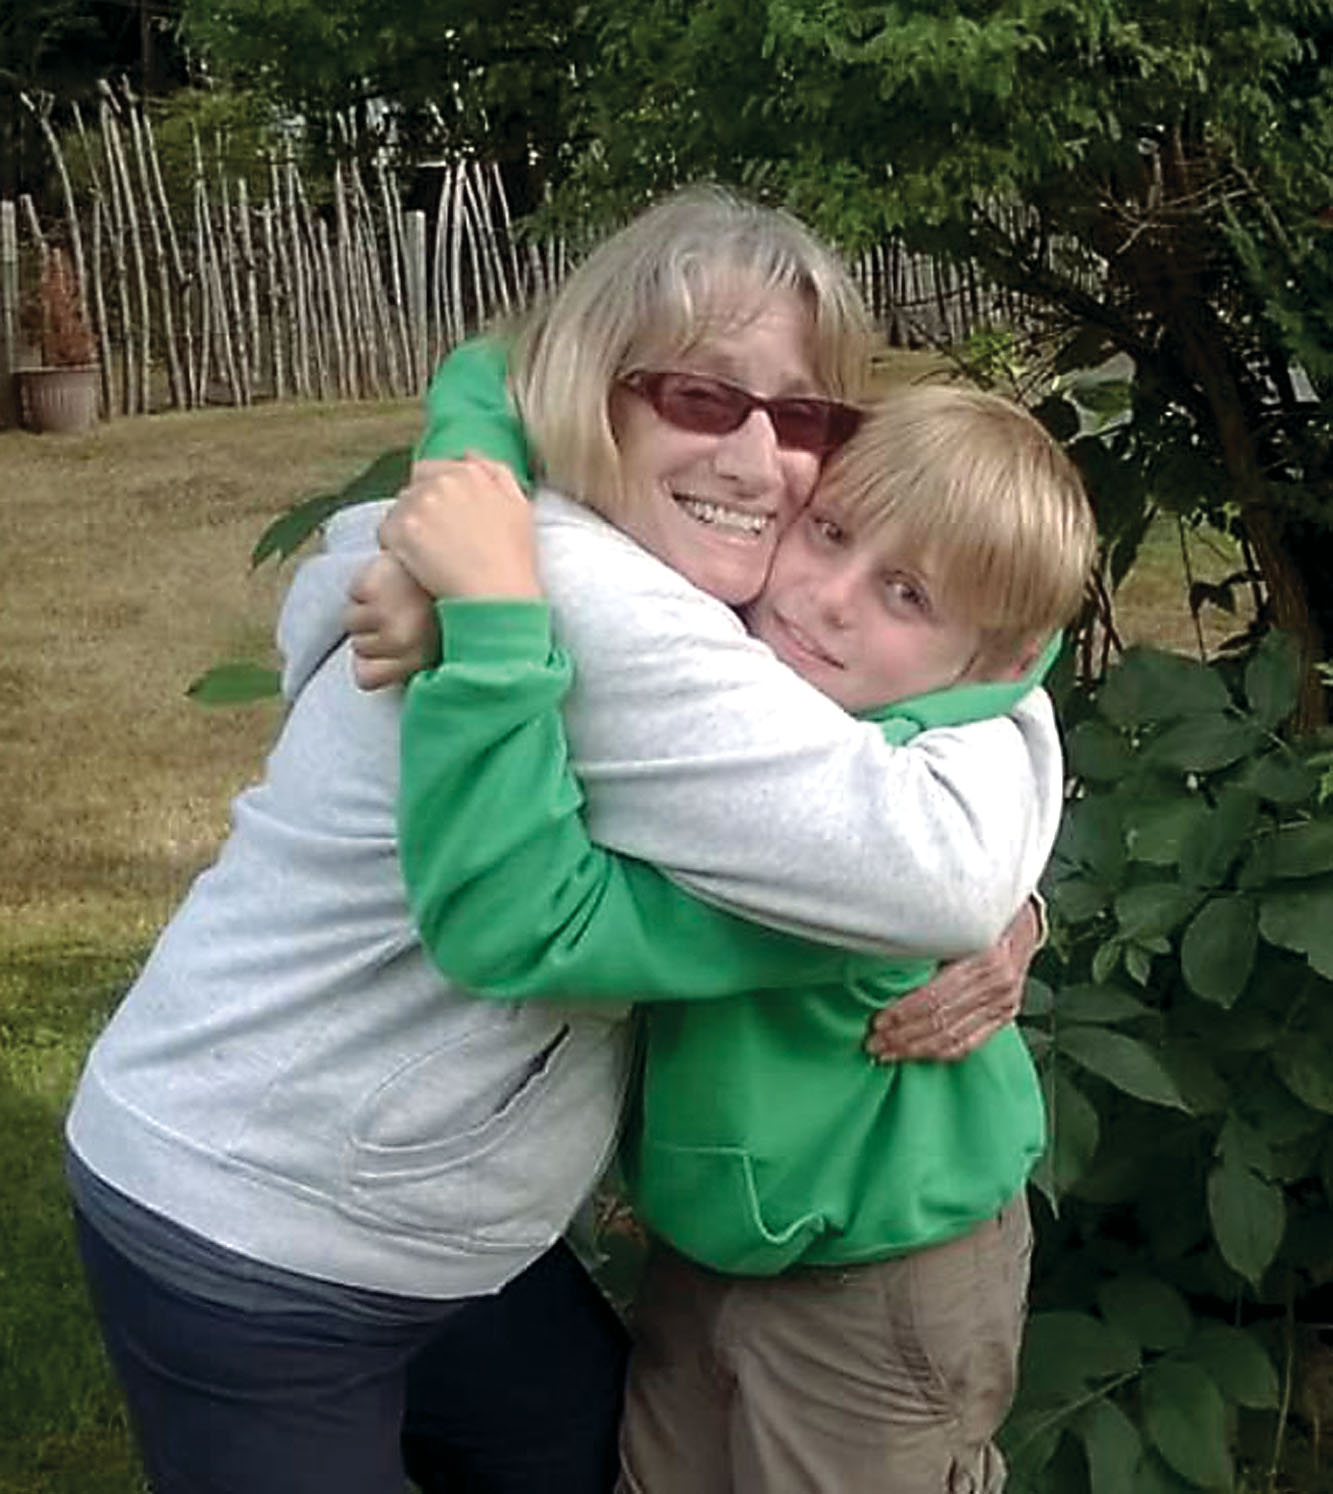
<point>392,625</point>
<point>464,529</point>
<point>965,1003</point>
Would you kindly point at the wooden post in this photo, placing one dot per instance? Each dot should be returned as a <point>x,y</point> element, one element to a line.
<point>414,256</point>
<point>175,379</point>
<point>9,311</point>
<point>185,282</point>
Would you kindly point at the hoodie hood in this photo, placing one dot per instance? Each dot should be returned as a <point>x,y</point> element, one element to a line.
<point>310,625</point>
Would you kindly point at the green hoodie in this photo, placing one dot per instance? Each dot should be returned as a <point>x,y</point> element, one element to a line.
<point>765,1138</point>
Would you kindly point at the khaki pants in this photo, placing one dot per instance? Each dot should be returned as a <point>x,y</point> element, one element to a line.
<point>889,1378</point>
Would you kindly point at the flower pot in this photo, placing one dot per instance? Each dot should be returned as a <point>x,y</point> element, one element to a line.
<point>63,400</point>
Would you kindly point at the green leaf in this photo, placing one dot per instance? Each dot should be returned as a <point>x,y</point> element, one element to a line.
<point>1092,836</point>
<point>1202,744</point>
<point>381,479</point>
<point>1099,752</point>
<point>1301,920</point>
<point>1239,1366</point>
<point>1122,1061</point>
<point>235,684</point>
<point>1304,1063</point>
<point>1078,899</point>
<point>1154,908</point>
<point>1302,850</point>
<point>1218,950</point>
<point>1154,1477</point>
<point>1098,1004</point>
<point>1138,963</point>
<point>1243,1145</point>
<point>1273,678</point>
<point>1038,998</point>
<point>1112,1445</point>
<point>1190,1064</point>
<point>1216,840</point>
<point>1106,959</point>
<point>1248,1217</point>
<point>1278,776</point>
<point>1150,685</point>
<point>1075,1130</point>
<point>1063,1352</point>
<point>1156,829</point>
<point>1145,1308</point>
<point>1186,1420</point>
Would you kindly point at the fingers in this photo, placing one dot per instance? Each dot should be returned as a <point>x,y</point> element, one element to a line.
<point>966,1003</point>
<point>391,623</point>
<point>464,529</point>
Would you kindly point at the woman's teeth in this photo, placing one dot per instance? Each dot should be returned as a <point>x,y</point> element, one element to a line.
<point>724,518</point>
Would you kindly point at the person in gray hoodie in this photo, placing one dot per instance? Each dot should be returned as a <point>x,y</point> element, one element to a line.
<point>319,1191</point>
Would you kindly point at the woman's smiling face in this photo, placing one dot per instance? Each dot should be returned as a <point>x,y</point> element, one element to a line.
<point>712,507</point>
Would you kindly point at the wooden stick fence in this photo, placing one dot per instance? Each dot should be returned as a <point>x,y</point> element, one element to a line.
<point>233,286</point>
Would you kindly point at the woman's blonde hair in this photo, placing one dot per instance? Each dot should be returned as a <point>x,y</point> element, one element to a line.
<point>699,262</point>
<point>978,492</point>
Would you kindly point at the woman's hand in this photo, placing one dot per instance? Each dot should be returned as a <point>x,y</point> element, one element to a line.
<point>391,621</point>
<point>965,1003</point>
<point>465,530</point>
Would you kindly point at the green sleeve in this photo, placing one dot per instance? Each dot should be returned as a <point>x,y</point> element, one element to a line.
<point>468,409</point>
<point>510,895</point>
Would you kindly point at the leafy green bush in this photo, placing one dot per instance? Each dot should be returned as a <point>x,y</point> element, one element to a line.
<point>1183,1025</point>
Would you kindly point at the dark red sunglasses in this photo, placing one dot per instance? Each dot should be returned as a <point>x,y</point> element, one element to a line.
<point>713,407</point>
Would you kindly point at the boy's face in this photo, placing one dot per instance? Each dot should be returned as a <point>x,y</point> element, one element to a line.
<point>845,615</point>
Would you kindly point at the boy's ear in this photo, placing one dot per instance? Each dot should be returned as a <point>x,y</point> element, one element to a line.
<point>1023,659</point>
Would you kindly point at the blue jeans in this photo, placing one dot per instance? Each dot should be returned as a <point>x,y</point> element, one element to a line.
<point>516,1393</point>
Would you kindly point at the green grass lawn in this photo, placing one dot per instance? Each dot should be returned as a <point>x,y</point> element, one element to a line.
<point>132,578</point>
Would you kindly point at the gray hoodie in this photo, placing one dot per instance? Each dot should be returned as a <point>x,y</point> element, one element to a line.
<point>292,1079</point>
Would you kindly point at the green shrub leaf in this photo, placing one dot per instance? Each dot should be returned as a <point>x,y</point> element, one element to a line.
<point>1112,1445</point>
<point>1154,908</point>
<point>1077,899</point>
<point>1145,1308</point>
<point>235,684</point>
<point>1156,829</point>
<point>1217,839</point>
<point>1239,1366</point>
<point>1098,752</point>
<point>1278,776</point>
<point>1151,686</point>
<point>1202,744</point>
<point>1098,1004</point>
<point>289,531</point>
<point>1186,1420</point>
<point>1063,1352</point>
<point>1273,678</point>
<point>1218,950</point>
<point>1302,850</point>
<point>1092,837</point>
<point>1075,1130</point>
<point>1301,920</point>
<point>1122,1061</point>
<point>1304,1063</point>
<point>1248,1216</point>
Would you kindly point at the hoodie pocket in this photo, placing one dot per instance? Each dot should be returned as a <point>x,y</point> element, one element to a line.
<point>440,1146</point>
<point>706,1203</point>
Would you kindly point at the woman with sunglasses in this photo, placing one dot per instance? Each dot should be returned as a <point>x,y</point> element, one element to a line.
<point>319,1192</point>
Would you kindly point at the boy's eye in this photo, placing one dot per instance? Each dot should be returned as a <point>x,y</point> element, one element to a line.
<point>903,592</point>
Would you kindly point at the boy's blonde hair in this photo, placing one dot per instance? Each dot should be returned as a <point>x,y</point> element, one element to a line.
<point>979,493</point>
<point>700,262</point>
